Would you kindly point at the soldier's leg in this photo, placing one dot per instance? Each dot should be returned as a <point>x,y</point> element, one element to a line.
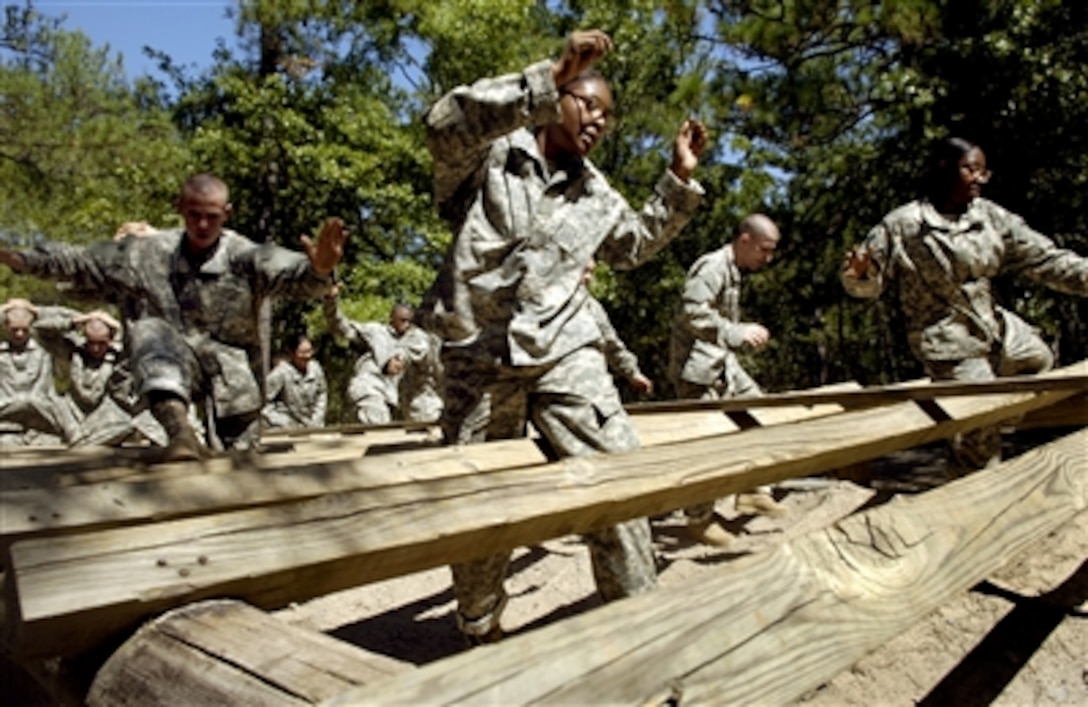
<point>979,448</point>
<point>372,409</point>
<point>468,418</point>
<point>701,524</point>
<point>165,371</point>
<point>576,407</point>
<point>1023,351</point>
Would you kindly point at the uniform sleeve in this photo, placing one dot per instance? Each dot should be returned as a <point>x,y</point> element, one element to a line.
<point>322,402</point>
<point>620,358</point>
<point>878,241</point>
<point>54,330</point>
<point>462,124</point>
<point>699,316</point>
<point>99,269</point>
<point>1032,255</point>
<point>286,273</point>
<point>636,236</point>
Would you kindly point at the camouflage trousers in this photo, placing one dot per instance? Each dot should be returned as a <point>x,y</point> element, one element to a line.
<point>739,384</point>
<point>1021,351</point>
<point>574,405</point>
<point>164,362</point>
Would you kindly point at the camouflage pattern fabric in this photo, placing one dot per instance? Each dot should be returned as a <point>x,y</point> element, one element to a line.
<point>509,299</point>
<point>295,398</point>
<point>420,383</point>
<point>31,411</point>
<point>707,330</point>
<point>371,392</point>
<point>944,267</point>
<point>620,358</point>
<point>101,392</point>
<point>191,325</point>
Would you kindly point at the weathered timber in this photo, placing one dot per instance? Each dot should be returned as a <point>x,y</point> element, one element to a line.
<point>1062,379</point>
<point>772,626</point>
<point>1072,412</point>
<point>37,503</point>
<point>224,652</point>
<point>63,594</point>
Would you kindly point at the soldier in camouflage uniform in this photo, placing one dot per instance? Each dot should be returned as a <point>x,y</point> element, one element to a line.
<point>421,379</point>
<point>31,411</point>
<point>372,390</point>
<point>943,252</point>
<point>296,392</point>
<point>620,359</point>
<point>528,212</point>
<point>101,392</point>
<point>707,332</point>
<point>190,299</point>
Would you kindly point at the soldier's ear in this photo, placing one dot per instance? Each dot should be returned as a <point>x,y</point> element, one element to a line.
<point>228,208</point>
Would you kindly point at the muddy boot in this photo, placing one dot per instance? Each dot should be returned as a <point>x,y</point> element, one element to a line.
<point>759,503</point>
<point>710,533</point>
<point>184,444</point>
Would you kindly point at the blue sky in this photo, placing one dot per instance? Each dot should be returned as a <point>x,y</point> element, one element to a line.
<point>186,30</point>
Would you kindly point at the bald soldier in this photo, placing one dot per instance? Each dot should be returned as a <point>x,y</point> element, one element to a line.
<point>707,332</point>
<point>190,299</point>
<point>31,412</point>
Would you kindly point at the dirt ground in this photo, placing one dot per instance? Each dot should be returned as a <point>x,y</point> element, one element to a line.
<point>1019,638</point>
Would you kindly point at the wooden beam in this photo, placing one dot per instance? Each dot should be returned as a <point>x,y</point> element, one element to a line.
<point>1064,379</point>
<point>63,595</point>
<point>773,626</point>
<point>39,502</point>
<point>224,652</point>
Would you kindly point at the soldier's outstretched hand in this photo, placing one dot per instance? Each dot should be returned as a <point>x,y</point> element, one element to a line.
<point>688,146</point>
<point>326,253</point>
<point>584,48</point>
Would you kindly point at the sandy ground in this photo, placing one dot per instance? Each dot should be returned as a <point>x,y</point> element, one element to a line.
<point>1019,638</point>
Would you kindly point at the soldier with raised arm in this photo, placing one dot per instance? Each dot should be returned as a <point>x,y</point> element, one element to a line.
<point>190,301</point>
<point>528,211</point>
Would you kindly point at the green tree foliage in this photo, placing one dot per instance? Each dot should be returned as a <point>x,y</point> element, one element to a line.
<point>82,149</point>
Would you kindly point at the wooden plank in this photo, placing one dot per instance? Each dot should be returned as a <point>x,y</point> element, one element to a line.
<point>1062,379</point>
<point>775,625</point>
<point>38,502</point>
<point>224,652</point>
<point>63,595</point>
<point>1072,412</point>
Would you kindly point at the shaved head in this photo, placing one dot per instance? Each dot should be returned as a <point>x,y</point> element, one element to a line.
<point>757,238</point>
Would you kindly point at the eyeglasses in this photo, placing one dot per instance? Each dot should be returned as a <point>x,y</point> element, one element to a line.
<point>981,174</point>
<point>595,108</point>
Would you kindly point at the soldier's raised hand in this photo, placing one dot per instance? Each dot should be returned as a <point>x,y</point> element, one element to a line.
<point>859,261</point>
<point>326,253</point>
<point>688,146</point>
<point>583,49</point>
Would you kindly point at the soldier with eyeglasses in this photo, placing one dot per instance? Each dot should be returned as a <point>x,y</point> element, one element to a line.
<point>528,211</point>
<point>943,251</point>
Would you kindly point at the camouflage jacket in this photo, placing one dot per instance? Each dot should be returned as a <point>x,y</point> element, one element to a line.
<point>296,398</point>
<point>375,343</point>
<point>620,359</point>
<point>707,329</point>
<point>421,380</point>
<point>213,304</point>
<point>524,229</point>
<point>944,267</point>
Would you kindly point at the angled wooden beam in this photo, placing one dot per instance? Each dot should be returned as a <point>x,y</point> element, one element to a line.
<point>775,625</point>
<point>1074,378</point>
<point>63,596</point>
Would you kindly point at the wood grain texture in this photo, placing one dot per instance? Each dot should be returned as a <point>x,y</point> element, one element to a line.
<point>774,625</point>
<point>38,502</point>
<point>224,652</point>
<point>63,593</point>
